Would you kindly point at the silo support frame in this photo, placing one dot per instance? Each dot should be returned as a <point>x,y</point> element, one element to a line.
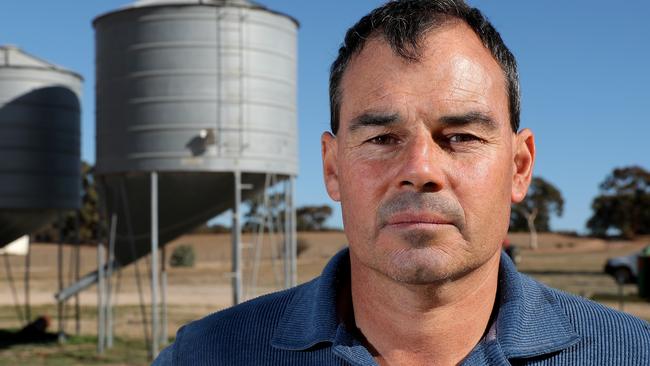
<point>28,306</point>
<point>236,241</point>
<point>274,220</point>
<point>279,227</point>
<point>131,237</point>
<point>109,276</point>
<point>290,252</point>
<point>101,299</point>
<point>73,265</point>
<point>59,262</point>
<point>164,335</point>
<point>104,274</point>
<point>265,221</point>
<point>291,277</point>
<point>155,324</point>
<point>293,232</point>
<point>76,254</point>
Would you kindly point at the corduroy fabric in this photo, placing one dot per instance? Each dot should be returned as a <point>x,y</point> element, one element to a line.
<point>535,325</point>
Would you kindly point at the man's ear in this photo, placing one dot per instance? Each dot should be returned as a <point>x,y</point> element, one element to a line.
<point>330,165</point>
<point>524,159</point>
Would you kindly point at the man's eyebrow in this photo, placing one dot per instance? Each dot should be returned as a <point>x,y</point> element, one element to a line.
<point>372,119</point>
<point>470,118</point>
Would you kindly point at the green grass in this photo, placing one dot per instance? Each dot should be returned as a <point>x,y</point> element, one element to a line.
<point>77,350</point>
<point>129,349</point>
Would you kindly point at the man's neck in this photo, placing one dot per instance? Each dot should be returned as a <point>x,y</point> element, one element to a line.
<point>435,324</point>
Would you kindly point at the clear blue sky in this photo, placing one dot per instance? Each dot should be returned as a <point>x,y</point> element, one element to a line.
<point>584,66</point>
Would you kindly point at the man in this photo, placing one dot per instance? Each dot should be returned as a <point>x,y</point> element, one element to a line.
<point>426,157</point>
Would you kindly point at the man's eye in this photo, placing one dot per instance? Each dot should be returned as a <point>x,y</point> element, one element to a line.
<point>383,140</point>
<point>463,137</point>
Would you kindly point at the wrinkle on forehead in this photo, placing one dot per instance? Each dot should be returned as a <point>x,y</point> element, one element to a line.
<point>468,78</point>
<point>465,71</point>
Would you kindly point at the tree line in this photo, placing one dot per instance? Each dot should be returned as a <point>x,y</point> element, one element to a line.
<point>622,208</point>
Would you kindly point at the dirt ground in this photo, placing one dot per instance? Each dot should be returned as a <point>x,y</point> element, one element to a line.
<point>573,264</point>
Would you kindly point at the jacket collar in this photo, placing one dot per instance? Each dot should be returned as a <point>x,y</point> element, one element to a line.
<point>311,317</point>
<point>530,321</point>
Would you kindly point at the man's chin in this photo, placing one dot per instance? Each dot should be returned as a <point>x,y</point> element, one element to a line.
<point>423,238</point>
<point>424,265</point>
<point>419,236</point>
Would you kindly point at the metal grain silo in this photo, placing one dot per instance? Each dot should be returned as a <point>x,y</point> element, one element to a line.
<point>39,142</point>
<point>198,92</point>
<point>196,86</point>
<point>196,112</point>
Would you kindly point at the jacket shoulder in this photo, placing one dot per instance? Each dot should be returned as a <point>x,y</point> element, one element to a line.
<point>224,335</point>
<point>589,316</point>
<point>605,333</point>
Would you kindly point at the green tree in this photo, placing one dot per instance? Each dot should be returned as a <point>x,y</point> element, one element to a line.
<point>623,203</point>
<point>534,212</point>
<point>87,216</point>
<point>312,218</point>
<point>90,226</point>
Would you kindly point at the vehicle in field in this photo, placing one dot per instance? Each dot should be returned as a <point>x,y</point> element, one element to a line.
<point>625,269</point>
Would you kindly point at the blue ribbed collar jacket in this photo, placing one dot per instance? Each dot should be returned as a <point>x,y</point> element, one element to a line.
<point>535,325</point>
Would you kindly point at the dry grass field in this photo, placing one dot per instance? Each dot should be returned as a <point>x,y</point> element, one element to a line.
<point>573,264</point>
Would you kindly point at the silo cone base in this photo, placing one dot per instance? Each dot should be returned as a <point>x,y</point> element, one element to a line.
<point>186,200</point>
<point>15,223</point>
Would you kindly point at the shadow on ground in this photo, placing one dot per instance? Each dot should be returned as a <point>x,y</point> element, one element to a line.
<point>33,333</point>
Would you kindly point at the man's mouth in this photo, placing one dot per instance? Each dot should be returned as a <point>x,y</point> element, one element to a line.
<point>417,220</point>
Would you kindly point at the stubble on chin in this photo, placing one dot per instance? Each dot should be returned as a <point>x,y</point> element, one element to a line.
<point>416,266</point>
<point>425,258</point>
<point>418,239</point>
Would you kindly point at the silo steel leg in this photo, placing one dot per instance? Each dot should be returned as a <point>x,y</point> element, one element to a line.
<point>287,250</point>
<point>59,304</point>
<point>76,251</point>
<point>109,277</point>
<point>101,298</point>
<point>236,242</point>
<point>28,306</point>
<point>101,259</point>
<point>293,234</point>
<point>155,336</point>
<point>163,279</point>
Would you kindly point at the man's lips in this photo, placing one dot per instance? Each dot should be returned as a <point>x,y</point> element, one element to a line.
<point>413,210</point>
<point>417,219</point>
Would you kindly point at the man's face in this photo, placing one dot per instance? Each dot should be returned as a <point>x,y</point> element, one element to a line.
<point>425,163</point>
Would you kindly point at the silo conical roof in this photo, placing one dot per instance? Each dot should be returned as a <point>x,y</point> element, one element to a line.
<point>12,56</point>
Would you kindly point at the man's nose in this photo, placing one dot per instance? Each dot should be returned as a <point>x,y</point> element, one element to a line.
<point>422,165</point>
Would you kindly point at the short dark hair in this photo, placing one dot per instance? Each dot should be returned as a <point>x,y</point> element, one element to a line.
<point>402,24</point>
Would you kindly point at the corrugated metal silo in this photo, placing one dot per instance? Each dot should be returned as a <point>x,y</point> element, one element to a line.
<point>192,90</point>
<point>39,142</point>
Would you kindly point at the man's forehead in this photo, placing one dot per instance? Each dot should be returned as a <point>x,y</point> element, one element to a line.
<point>453,65</point>
<point>444,41</point>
